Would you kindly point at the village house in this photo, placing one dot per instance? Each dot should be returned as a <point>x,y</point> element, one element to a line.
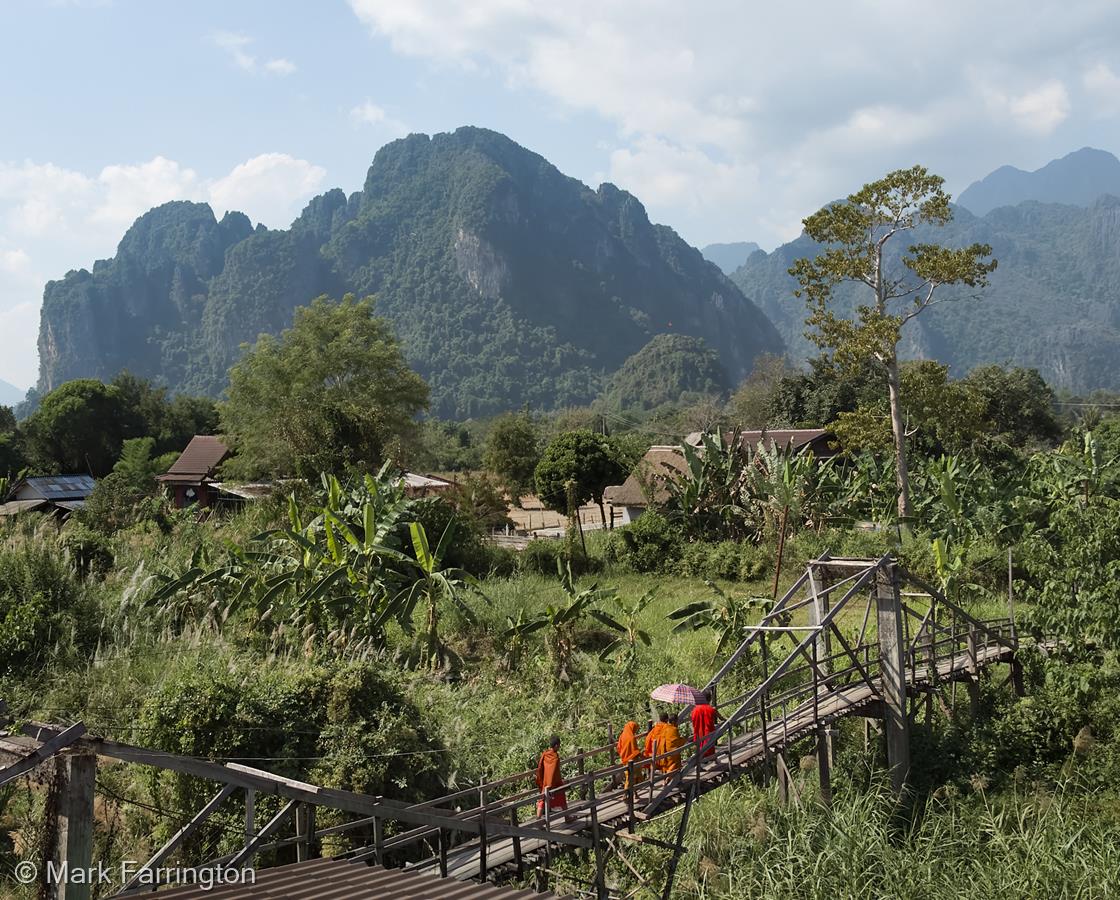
<point>646,484</point>
<point>58,494</point>
<point>191,478</point>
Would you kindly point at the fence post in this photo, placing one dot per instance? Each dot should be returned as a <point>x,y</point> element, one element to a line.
<point>75,821</point>
<point>892,674</point>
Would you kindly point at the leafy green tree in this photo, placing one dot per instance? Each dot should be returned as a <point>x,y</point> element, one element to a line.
<point>856,235</point>
<point>12,459</point>
<point>79,427</point>
<point>333,393</point>
<point>1018,406</point>
<point>513,451</point>
<point>582,459</point>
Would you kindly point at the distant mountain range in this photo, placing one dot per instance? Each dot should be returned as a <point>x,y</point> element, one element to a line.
<point>10,395</point>
<point>730,256</point>
<point>507,282</point>
<point>1053,303</point>
<point>510,284</point>
<point>1077,179</point>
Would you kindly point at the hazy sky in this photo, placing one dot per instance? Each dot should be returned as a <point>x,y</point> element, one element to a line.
<point>730,120</point>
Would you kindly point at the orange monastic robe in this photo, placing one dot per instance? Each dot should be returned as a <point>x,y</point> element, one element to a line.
<point>548,776</point>
<point>669,739</point>
<point>651,738</point>
<point>629,751</point>
<point>627,746</point>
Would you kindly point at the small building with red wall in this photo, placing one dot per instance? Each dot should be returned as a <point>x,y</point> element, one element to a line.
<point>191,478</point>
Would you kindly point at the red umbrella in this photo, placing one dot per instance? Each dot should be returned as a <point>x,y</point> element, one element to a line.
<point>676,693</point>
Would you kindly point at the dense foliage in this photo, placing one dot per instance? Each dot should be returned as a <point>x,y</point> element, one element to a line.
<point>331,394</point>
<point>82,425</point>
<point>670,369</point>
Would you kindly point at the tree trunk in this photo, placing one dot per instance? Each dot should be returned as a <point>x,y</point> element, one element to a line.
<point>898,429</point>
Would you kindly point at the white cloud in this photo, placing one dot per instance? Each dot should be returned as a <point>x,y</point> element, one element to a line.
<point>236,47</point>
<point>815,96</point>
<point>1042,109</point>
<point>280,66</point>
<point>272,185</point>
<point>369,113</point>
<point>1103,86</point>
<point>127,190</point>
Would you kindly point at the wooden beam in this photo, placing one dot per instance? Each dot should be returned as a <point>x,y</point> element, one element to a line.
<point>181,835</point>
<point>267,783</point>
<point>892,674</point>
<point>45,751</point>
<point>75,824</point>
<point>274,824</point>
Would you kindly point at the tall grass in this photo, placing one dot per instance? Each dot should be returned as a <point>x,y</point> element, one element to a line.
<point>1039,845</point>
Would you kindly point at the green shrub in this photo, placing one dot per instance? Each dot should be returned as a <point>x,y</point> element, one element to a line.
<point>89,550</point>
<point>651,544</point>
<point>45,612</point>
<point>466,550</point>
<point>347,726</point>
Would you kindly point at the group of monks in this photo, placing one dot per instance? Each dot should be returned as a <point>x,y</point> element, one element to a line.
<point>656,751</point>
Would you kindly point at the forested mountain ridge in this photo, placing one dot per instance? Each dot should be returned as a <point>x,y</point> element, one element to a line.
<point>507,282</point>
<point>1077,179</point>
<point>1053,303</point>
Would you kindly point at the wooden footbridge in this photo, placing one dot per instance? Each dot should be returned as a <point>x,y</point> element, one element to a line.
<point>851,637</point>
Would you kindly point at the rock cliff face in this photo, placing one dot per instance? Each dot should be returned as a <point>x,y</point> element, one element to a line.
<point>507,282</point>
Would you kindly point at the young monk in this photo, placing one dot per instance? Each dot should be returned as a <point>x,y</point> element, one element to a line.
<point>549,776</point>
<point>669,738</point>
<point>628,750</point>
<point>704,719</point>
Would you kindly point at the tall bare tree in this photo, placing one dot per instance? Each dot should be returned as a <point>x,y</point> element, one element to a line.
<point>856,234</point>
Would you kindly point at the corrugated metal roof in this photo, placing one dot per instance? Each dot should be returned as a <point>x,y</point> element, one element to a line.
<point>202,456</point>
<point>338,879</point>
<point>12,507</point>
<point>53,487</point>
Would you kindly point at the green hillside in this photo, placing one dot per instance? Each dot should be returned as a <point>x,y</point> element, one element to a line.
<point>507,282</point>
<point>672,368</point>
<point>1053,303</point>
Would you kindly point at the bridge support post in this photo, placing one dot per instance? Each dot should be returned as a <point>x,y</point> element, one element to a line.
<point>824,764</point>
<point>783,778</point>
<point>892,665</point>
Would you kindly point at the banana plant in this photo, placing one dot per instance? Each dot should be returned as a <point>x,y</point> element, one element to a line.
<point>561,621</point>
<point>627,624</point>
<point>433,585</point>
<point>728,616</point>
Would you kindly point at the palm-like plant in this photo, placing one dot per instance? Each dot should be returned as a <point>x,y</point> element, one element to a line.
<point>336,567</point>
<point>627,624</point>
<point>728,616</point>
<point>705,499</point>
<point>433,585</point>
<point>561,620</point>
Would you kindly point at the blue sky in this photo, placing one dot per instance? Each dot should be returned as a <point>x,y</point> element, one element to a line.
<point>730,120</point>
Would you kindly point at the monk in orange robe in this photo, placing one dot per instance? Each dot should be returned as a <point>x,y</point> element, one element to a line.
<point>629,751</point>
<point>669,739</point>
<point>704,718</point>
<point>549,777</point>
